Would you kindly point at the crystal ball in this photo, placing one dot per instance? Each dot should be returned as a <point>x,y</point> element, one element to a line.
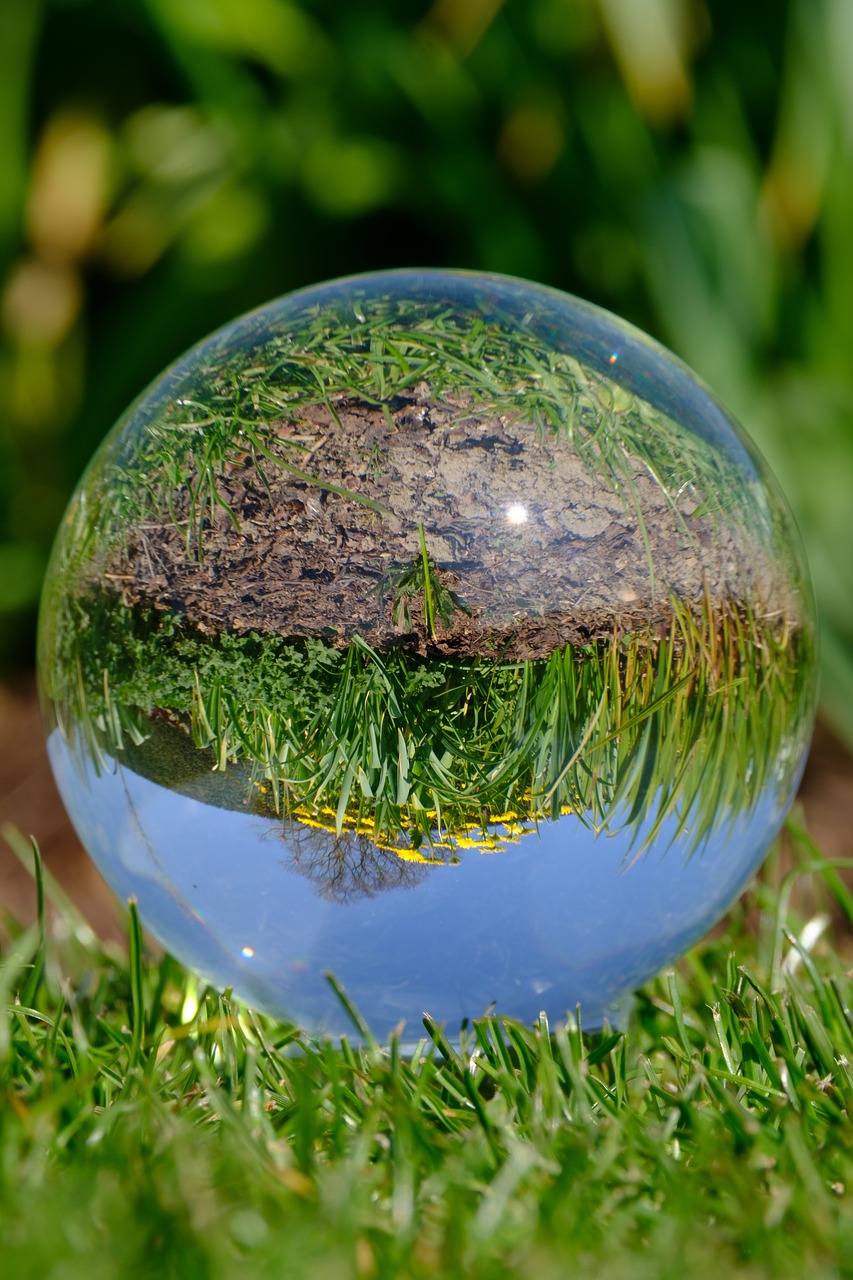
<point>433,630</point>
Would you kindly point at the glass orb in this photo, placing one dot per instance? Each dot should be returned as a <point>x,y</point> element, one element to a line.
<point>435,630</point>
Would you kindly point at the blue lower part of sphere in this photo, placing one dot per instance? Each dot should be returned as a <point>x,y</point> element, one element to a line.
<point>562,918</point>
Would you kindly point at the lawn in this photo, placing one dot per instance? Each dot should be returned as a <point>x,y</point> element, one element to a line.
<point>155,1127</point>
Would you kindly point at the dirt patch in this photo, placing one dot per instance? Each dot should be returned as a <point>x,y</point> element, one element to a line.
<point>30,805</point>
<point>543,550</point>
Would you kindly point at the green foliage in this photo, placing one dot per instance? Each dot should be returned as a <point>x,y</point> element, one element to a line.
<point>695,180</point>
<point>225,405</point>
<point>420,579</point>
<point>637,730</point>
<point>154,1127</point>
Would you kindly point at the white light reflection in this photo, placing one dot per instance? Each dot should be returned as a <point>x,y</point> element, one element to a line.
<point>516,513</point>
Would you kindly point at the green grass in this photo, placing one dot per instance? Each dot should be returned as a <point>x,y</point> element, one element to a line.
<point>152,1127</point>
<point>224,403</point>
<point>221,404</point>
<point>421,579</point>
<point>643,728</point>
<point>635,731</point>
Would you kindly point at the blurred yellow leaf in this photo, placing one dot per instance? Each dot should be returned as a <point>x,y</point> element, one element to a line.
<point>40,303</point>
<point>462,23</point>
<point>69,187</point>
<point>650,42</point>
<point>532,138</point>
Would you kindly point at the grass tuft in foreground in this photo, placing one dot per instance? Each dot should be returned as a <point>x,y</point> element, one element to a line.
<point>155,1128</point>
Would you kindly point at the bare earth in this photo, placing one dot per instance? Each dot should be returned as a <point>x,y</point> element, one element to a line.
<point>307,560</point>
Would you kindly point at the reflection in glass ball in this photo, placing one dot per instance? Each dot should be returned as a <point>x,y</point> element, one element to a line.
<point>437,630</point>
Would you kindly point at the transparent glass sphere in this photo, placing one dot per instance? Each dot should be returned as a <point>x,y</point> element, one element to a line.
<point>435,630</point>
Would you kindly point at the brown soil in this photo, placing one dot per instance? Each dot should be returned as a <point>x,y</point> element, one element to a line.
<point>308,561</point>
<point>30,805</point>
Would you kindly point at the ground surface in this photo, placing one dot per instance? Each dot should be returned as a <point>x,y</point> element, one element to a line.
<point>543,550</point>
<point>30,802</point>
<point>153,1129</point>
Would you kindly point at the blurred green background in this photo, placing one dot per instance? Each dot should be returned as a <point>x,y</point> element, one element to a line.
<point>167,164</point>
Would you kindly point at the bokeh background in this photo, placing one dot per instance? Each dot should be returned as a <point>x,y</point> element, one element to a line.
<point>167,164</point>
